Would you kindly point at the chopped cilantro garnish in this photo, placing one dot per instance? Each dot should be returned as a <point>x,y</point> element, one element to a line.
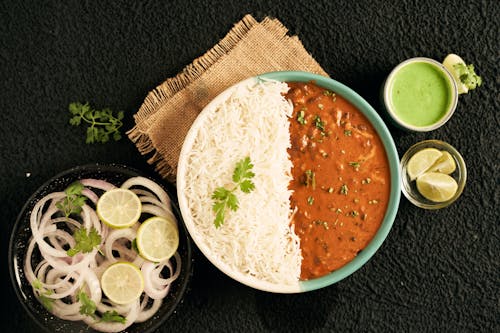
<point>74,200</point>
<point>85,242</point>
<point>87,306</point>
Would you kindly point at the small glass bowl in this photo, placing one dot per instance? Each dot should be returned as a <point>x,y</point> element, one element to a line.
<point>409,188</point>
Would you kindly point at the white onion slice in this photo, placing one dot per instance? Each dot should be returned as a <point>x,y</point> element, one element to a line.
<point>60,278</point>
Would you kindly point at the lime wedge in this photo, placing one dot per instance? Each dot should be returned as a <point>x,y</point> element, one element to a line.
<point>422,161</point>
<point>436,186</point>
<point>119,208</point>
<point>449,62</point>
<point>157,239</point>
<point>445,164</point>
<point>122,283</point>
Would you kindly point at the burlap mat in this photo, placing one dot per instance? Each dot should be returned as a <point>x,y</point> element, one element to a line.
<point>250,48</point>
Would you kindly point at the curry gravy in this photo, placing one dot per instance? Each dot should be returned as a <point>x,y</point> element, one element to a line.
<point>341,180</point>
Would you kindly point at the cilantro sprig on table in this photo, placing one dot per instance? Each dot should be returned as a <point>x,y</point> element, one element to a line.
<point>225,198</point>
<point>103,124</point>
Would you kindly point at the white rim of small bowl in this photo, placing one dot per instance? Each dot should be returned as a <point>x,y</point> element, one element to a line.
<point>387,95</point>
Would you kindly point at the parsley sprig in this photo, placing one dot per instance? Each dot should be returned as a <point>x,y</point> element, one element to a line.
<point>74,200</point>
<point>225,198</point>
<point>43,294</point>
<point>88,308</point>
<point>72,204</point>
<point>102,123</point>
<point>112,316</point>
<point>85,241</point>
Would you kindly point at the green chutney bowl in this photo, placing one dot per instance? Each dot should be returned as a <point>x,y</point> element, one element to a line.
<point>419,95</point>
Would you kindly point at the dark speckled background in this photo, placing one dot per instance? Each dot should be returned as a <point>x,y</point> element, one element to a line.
<point>438,271</point>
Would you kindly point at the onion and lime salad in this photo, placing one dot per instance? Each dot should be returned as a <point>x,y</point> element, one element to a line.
<point>108,253</point>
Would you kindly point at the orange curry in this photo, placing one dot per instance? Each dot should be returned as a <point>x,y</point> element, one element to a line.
<point>340,181</point>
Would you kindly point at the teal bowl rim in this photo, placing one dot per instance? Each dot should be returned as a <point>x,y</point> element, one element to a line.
<point>392,156</point>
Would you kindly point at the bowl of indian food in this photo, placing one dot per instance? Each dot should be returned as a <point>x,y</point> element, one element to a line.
<point>288,181</point>
<point>100,248</point>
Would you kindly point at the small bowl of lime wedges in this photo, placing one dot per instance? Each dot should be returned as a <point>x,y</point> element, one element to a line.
<point>433,174</point>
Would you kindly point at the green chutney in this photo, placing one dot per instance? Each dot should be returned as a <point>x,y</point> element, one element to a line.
<point>421,94</point>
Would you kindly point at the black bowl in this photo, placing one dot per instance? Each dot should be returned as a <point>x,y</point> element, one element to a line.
<point>21,233</point>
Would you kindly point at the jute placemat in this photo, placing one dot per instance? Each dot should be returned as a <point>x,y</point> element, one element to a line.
<point>250,48</point>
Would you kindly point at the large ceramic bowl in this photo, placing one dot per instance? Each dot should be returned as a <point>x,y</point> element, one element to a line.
<point>336,275</point>
<point>21,234</point>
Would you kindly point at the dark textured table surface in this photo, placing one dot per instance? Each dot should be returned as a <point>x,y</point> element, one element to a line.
<point>438,271</point>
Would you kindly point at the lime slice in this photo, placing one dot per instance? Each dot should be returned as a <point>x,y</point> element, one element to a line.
<point>157,239</point>
<point>450,61</point>
<point>421,161</point>
<point>119,208</point>
<point>436,186</point>
<point>445,164</point>
<point>122,283</point>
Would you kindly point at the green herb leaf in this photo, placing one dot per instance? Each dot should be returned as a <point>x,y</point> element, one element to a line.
<point>74,200</point>
<point>46,301</point>
<point>301,116</point>
<point>310,178</point>
<point>344,190</point>
<point>232,201</point>
<point>320,124</point>
<point>102,123</point>
<point>225,198</point>
<point>37,284</point>
<point>74,189</point>
<point>220,194</point>
<point>112,316</point>
<point>247,186</point>
<point>355,165</point>
<point>85,242</point>
<point>88,306</point>
<point>468,76</point>
<point>243,170</point>
<point>220,210</point>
